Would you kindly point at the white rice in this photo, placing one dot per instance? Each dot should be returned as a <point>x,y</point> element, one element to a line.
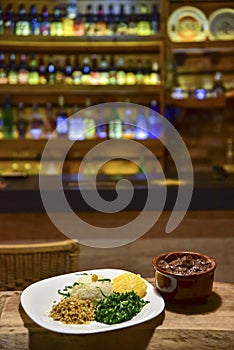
<point>88,288</point>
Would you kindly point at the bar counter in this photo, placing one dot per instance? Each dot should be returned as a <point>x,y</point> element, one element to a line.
<point>211,191</point>
<point>204,326</point>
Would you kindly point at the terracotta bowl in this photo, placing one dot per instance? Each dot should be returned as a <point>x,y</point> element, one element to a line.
<point>184,276</point>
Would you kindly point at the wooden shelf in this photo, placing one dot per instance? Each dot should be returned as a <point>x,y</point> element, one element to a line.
<point>192,102</point>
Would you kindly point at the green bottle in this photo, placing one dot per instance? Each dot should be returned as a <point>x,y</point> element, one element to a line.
<point>8,119</point>
<point>115,127</point>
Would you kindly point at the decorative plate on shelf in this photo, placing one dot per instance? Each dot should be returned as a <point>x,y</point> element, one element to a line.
<point>221,24</point>
<point>187,24</point>
<point>38,298</point>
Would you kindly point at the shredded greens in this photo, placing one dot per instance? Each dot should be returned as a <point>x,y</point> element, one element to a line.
<point>119,307</point>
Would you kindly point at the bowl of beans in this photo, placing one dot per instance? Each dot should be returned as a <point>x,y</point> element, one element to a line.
<point>184,276</point>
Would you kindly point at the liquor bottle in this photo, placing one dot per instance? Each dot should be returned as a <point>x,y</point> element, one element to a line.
<point>155,74</point>
<point>21,121</point>
<point>56,26</point>
<point>89,122</point>
<point>50,120</point>
<point>128,123</point>
<point>120,72</point>
<point>130,73</point>
<point>111,21</point>
<point>59,72</point>
<point>76,125</point>
<point>104,71</point>
<point>36,123</point>
<point>112,71</point>
<point>68,79</point>
<point>115,127</point>
<point>139,72</point>
<point>101,127</point>
<point>77,72</point>
<point>68,25</point>
<point>94,73</point>
<point>8,119</point>
<point>218,85</point>
<point>122,27</point>
<point>72,9</point>
<point>85,79</point>
<point>3,70</point>
<point>100,27</point>
<point>13,74</point>
<point>1,21</point>
<point>22,26</point>
<point>23,69</point>
<point>45,23</point>
<point>34,21</point>
<point>155,20</point>
<point>9,24</point>
<point>154,120</point>
<point>51,71</point>
<point>144,25</point>
<point>42,71</point>
<point>147,72</point>
<point>89,20</point>
<point>62,125</point>
<point>33,76</point>
<point>79,26</point>
<point>141,129</point>
<point>132,27</point>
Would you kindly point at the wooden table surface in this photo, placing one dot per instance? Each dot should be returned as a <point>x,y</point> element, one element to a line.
<point>201,327</point>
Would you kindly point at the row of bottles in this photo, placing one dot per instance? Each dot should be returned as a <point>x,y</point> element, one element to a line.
<point>69,20</point>
<point>139,123</point>
<point>95,70</point>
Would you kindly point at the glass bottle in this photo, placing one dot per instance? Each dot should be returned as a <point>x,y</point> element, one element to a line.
<point>218,85</point>
<point>13,74</point>
<point>68,71</point>
<point>155,74</point>
<point>128,123</point>
<point>100,27</point>
<point>111,22</point>
<point>8,119</point>
<point>79,26</point>
<point>130,73</point>
<point>139,72</point>
<point>89,122</point>
<point>120,72</point>
<point>3,70</point>
<point>101,127</point>
<point>9,24</point>
<point>21,121</point>
<point>85,79</point>
<point>34,21</point>
<point>50,120</point>
<point>112,71</point>
<point>89,20</point>
<point>141,129</point>
<point>33,76</point>
<point>122,27</point>
<point>77,73</point>
<point>59,72</point>
<point>56,26</point>
<point>76,125</point>
<point>1,21</point>
<point>115,126</point>
<point>104,71</point>
<point>36,123</point>
<point>154,121</point>
<point>42,71</point>
<point>72,9</point>
<point>22,26</point>
<point>62,126</point>
<point>45,23</point>
<point>144,25</point>
<point>23,69</point>
<point>132,28</point>
<point>94,73</point>
<point>51,71</point>
<point>147,72</point>
<point>155,20</point>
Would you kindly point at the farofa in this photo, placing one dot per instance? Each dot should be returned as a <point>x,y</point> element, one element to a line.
<point>73,310</point>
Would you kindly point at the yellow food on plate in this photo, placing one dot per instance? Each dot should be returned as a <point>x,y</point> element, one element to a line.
<point>129,281</point>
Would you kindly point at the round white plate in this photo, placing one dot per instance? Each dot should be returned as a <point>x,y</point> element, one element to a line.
<point>38,299</point>
<point>221,24</point>
<point>187,24</point>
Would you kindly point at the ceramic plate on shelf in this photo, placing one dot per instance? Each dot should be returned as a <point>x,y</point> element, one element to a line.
<point>38,299</point>
<point>187,24</point>
<point>221,24</point>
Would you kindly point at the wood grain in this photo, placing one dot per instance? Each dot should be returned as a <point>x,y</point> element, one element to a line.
<point>205,326</point>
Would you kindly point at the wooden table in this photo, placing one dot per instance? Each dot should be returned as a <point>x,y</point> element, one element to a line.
<point>202,327</point>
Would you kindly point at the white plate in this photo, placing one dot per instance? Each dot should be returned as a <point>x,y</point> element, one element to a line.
<point>38,298</point>
<point>187,24</point>
<point>221,24</point>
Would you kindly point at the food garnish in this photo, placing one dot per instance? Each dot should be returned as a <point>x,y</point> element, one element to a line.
<point>129,281</point>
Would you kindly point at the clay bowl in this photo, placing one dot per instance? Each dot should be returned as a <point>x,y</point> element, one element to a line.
<point>184,276</point>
